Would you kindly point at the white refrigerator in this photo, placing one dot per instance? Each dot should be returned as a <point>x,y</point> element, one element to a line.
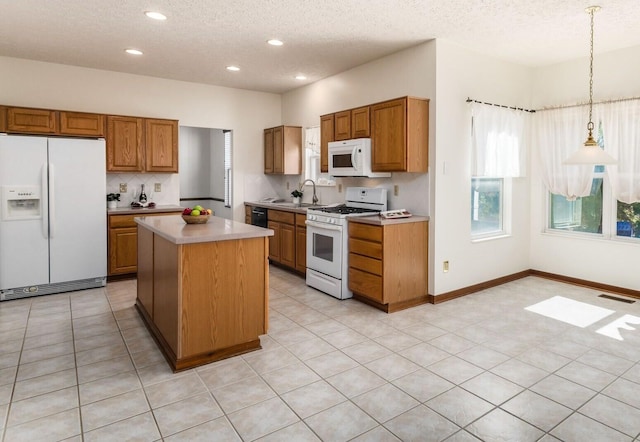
<point>53,232</point>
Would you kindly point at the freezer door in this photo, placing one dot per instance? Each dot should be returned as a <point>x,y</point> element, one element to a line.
<point>24,248</point>
<point>77,209</point>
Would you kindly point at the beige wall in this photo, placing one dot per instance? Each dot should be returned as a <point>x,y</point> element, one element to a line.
<point>48,85</point>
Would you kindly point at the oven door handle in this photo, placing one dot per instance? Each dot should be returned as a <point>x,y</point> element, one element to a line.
<point>323,226</point>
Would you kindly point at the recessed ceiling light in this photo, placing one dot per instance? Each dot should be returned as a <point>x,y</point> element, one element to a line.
<point>233,68</point>
<point>300,77</point>
<point>133,51</point>
<point>275,42</point>
<point>155,15</point>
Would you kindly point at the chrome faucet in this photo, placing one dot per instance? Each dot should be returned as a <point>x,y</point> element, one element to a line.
<point>315,198</point>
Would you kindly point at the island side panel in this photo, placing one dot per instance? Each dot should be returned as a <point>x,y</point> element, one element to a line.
<point>266,285</point>
<point>223,294</point>
<point>145,270</point>
<point>166,305</point>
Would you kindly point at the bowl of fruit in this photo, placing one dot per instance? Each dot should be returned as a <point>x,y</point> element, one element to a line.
<point>196,215</point>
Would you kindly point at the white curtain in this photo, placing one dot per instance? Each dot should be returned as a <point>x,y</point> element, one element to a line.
<point>621,134</point>
<point>498,148</point>
<point>556,134</point>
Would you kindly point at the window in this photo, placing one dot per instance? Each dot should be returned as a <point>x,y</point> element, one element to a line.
<point>486,207</point>
<point>227,168</point>
<point>312,153</point>
<point>628,219</point>
<point>584,214</point>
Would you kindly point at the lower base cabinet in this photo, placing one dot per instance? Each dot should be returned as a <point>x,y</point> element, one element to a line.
<point>388,264</point>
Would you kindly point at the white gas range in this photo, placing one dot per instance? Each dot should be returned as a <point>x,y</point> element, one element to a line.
<point>327,239</point>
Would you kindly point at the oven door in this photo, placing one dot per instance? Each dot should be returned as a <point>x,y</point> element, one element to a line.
<point>324,248</point>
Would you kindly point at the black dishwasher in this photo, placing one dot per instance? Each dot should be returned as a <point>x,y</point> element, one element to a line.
<point>259,216</point>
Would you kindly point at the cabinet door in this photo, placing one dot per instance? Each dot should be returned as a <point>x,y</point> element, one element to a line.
<point>23,120</point>
<point>83,124</point>
<point>342,125</point>
<point>123,250</point>
<point>326,135</point>
<point>3,118</point>
<point>274,241</point>
<point>161,145</point>
<point>278,150</point>
<point>360,123</point>
<point>288,245</point>
<point>301,249</point>
<point>124,144</point>
<point>268,151</point>
<point>389,136</point>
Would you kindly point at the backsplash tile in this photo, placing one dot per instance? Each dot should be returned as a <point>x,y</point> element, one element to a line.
<point>170,183</point>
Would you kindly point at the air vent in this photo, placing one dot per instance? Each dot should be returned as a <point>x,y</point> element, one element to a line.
<point>615,298</point>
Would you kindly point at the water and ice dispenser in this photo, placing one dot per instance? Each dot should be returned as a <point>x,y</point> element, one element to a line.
<point>21,203</point>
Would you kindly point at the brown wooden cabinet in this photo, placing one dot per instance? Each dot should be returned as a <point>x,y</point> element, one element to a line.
<point>82,124</point>
<point>31,121</point>
<point>342,129</point>
<point>288,245</point>
<point>161,145</point>
<point>400,135</point>
<point>388,264</point>
<point>327,123</point>
<point>124,144</point>
<point>3,118</point>
<point>123,243</point>
<point>283,150</point>
<point>141,144</point>
<point>360,126</point>
<point>301,243</point>
<point>247,214</point>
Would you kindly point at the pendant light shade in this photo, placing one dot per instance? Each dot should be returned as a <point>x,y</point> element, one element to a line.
<point>590,153</point>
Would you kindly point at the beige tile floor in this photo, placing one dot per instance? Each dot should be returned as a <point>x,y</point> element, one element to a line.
<point>81,366</point>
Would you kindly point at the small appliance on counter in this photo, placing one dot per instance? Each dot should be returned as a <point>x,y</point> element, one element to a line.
<point>327,239</point>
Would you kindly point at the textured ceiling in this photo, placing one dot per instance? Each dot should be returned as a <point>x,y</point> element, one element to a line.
<point>322,37</point>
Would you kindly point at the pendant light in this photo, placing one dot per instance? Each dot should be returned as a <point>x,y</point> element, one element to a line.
<point>590,153</point>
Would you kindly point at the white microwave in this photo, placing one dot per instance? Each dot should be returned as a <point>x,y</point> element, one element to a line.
<point>352,158</point>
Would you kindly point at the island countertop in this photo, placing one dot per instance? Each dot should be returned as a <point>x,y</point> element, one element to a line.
<point>175,230</point>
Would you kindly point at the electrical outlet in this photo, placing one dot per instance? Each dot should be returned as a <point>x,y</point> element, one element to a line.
<point>395,189</point>
<point>123,187</point>
<point>157,187</point>
<point>339,188</point>
<point>287,185</point>
<point>445,266</point>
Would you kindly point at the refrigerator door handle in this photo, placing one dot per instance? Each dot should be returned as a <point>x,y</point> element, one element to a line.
<point>43,199</point>
<point>52,202</point>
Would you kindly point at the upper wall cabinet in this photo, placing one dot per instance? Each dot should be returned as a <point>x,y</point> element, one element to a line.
<point>400,135</point>
<point>141,144</point>
<point>283,150</point>
<point>161,142</point>
<point>399,131</point>
<point>82,124</point>
<point>124,144</point>
<point>327,123</point>
<point>32,121</point>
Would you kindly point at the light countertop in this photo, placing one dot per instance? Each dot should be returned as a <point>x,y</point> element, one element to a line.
<point>138,210</point>
<point>377,221</point>
<point>284,206</point>
<point>174,229</point>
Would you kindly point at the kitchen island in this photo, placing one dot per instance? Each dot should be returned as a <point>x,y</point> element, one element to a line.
<point>202,288</point>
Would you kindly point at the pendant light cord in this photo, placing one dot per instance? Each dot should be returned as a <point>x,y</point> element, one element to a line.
<point>590,125</point>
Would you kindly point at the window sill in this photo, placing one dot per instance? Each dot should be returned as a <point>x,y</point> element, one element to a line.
<point>500,235</point>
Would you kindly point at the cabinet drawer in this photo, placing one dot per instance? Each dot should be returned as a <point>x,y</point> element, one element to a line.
<point>300,220</point>
<point>366,284</point>
<point>366,248</point>
<point>365,263</point>
<point>122,221</point>
<point>282,217</point>
<point>365,231</point>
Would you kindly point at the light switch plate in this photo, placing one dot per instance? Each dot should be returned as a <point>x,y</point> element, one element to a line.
<point>157,187</point>
<point>123,187</point>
